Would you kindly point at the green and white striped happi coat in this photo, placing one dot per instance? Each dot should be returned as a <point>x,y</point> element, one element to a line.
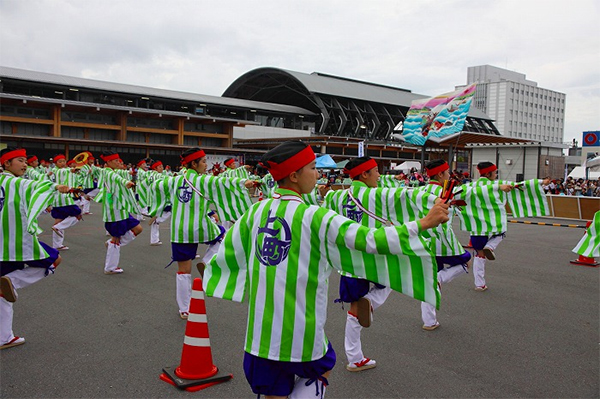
<point>485,212</point>
<point>589,245</point>
<point>21,202</point>
<point>443,240</point>
<point>66,177</point>
<point>280,255</point>
<point>189,220</point>
<point>118,201</point>
<point>87,174</point>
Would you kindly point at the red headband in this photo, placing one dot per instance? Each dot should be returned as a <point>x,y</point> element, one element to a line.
<point>487,170</point>
<point>192,157</point>
<point>282,170</point>
<point>141,162</point>
<point>21,152</point>
<point>108,158</point>
<point>156,164</point>
<point>32,159</point>
<point>229,162</point>
<point>438,169</point>
<point>59,157</point>
<point>70,162</point>
<point>363,167</point>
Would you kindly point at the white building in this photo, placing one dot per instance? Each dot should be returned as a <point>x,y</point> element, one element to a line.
<point>518,106</point>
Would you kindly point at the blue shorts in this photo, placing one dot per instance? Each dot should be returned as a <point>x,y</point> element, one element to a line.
<point>187,251</point>
<point>452,260</point>
<point>352,289</point>
<point>183,252</point>
<point>63,212</point>
<point>119,228</point>
<point>272,377</point>
<point>478,242</point>
<point>8,267</point>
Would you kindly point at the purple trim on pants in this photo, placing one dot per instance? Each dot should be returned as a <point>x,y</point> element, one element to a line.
<point>46,263</point>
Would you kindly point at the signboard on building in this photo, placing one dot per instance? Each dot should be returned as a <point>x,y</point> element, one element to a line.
<point>591,139</point>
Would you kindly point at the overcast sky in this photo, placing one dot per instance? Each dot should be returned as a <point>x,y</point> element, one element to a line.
<point>203,46</point>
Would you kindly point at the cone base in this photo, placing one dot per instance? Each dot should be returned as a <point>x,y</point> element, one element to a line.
<point>170,377</point>
<point>585,262</point>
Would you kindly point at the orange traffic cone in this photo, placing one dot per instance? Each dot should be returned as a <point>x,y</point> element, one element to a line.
<point>196,370</point>
<point>585,261</point>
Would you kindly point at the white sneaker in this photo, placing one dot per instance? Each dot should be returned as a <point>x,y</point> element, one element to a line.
<point>364,364</point>
<point>155,244</point>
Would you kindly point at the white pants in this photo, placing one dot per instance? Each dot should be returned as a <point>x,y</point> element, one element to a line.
<point>479,271</point>
<point>303,391</point>
<point>20,279</point>
<point>113,251</point>
<point>155,227</point>
<point>445,275</point>
<point>352,343</point>
<point>184,291</point>
<point>58,237</point>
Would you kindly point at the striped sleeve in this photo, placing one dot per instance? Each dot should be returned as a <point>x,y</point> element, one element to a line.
<point>229,195</point>
<point>397,257</point>
<point>226,273</point>
<point>485,212</point>
<point>528,200</point>
<point>159,195</point>
<point>390,181</point>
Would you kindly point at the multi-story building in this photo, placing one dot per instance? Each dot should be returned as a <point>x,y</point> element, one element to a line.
<point>518,106</point>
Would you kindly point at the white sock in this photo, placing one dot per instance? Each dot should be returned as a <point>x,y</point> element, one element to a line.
<point>163,218</point>
<point>184,291</point>
<point>302,391</point>
<point>428,314</point>
<point>58,238</point>
<point>6,321</point>
<point>493,242</point>
<point>479,271</point>
<point>113,255</point>
<point>26,277</point>
<point>66,223</point>
<point>352,344</point>
<point>377,296</point>
<point>85,205</point>
<point>448,274</point>
<point>127,238</point>
<point>154,233</point>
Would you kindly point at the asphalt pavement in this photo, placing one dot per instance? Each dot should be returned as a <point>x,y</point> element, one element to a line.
<point>533,334</point>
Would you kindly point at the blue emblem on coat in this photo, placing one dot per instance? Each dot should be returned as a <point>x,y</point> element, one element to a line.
<point>2,197</point>
<point>276,242</point>
<point>270,183</point>
<point>351,210</point>
<point>184,193</point>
